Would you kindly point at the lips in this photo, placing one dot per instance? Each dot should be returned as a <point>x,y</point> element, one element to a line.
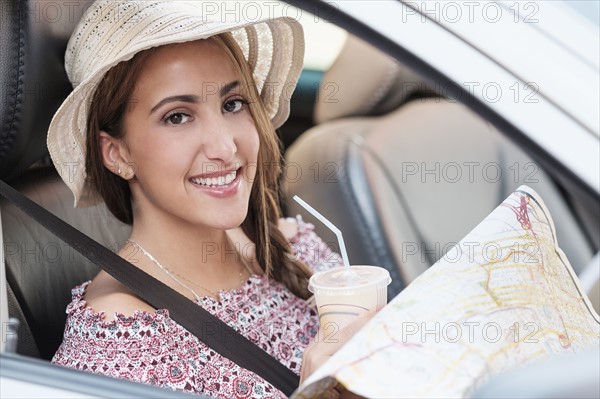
<point>219,180</point>
<point>219,184</point>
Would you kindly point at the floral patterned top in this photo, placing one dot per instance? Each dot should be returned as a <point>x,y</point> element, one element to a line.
<point>152,348</point>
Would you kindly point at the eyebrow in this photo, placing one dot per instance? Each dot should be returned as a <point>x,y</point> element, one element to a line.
<point>186,98</point>
<point>229,87</point>
<point>190,98</point>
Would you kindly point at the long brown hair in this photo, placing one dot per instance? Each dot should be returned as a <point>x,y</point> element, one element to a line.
<point>109,104</point>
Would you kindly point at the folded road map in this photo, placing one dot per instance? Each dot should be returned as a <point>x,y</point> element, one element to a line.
<point>504,297</point>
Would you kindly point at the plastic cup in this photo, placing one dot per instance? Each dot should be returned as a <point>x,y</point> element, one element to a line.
<point>345,294</point>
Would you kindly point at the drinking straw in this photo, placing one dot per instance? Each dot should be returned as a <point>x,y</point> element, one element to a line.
<point>327,223</point>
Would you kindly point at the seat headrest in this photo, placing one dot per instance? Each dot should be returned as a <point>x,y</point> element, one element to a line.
<point>33,39</point>
<point>364,81</point>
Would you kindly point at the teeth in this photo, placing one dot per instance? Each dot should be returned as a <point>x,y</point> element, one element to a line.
<point>222,180</point>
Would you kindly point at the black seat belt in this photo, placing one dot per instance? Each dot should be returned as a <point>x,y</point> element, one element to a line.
<point>207,328</point>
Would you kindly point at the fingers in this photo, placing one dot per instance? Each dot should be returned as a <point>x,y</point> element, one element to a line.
<point>311,360</point>
<point>327,342</point>
<point>351,329</point>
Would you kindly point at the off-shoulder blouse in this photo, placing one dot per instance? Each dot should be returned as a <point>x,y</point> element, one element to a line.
<point>150,347</point>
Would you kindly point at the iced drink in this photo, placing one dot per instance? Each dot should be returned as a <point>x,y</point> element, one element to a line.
<point>345,294</point>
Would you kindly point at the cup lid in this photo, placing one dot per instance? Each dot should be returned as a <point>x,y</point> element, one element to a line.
<point>355,277</point>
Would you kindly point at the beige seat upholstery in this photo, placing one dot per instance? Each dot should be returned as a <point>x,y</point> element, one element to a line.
<point>405,186</point>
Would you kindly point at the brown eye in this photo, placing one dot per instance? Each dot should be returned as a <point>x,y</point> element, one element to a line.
<point>232,106</point>
<point>177,118</point>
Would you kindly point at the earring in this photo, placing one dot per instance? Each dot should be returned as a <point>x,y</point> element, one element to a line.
<point>119,170</point>
<point>128,172</point>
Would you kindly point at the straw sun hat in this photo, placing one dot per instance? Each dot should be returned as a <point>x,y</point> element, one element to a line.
<point>115,30</point>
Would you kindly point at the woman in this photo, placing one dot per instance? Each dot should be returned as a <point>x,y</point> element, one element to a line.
<point>173,116</point>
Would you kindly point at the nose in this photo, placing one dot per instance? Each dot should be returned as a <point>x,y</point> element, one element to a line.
<point>219,141</point>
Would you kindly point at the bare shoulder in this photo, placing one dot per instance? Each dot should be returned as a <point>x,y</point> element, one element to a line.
<point>288,227</point>
<point>106,294</point>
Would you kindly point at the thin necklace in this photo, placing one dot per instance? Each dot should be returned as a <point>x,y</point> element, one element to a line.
<point>172,273</point>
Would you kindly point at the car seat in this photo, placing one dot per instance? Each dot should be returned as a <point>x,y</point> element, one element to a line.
<point>41,270</point>
<point>406,174</point>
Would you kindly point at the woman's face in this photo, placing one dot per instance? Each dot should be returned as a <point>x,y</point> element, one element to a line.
<point>191,138</point>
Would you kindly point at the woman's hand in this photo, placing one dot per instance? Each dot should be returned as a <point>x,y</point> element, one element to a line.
<point>327,341</point>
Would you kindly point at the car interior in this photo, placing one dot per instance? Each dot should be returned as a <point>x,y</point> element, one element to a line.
<point>403,171</point>
<point>388,161</point>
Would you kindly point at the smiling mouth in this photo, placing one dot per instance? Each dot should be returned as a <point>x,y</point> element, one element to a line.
<point>221,181</point>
